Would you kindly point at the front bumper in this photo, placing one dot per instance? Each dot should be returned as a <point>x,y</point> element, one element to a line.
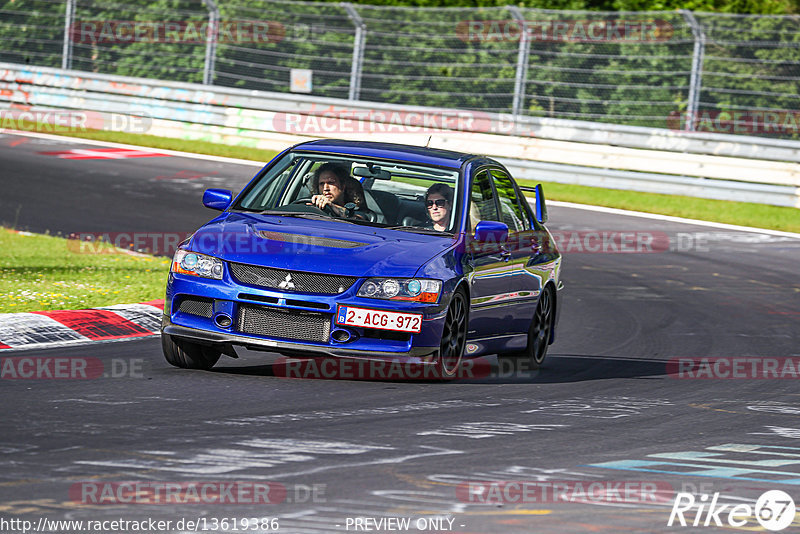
<point>297,315</point>
<point>415,355</point>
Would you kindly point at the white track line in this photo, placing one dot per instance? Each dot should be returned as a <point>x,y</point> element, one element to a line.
<point>658,217</point>
<point>586,207</point>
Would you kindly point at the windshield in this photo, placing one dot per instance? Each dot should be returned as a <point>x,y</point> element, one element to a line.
<point>354,189</point>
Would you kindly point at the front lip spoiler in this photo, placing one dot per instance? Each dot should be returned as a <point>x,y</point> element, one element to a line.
<point>415,355</point>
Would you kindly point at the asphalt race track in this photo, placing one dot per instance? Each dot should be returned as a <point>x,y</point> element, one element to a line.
<point>609,407</point>
<point>139,194</point>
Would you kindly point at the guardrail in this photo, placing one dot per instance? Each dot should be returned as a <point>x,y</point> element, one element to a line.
<point>776,195</point>
<point>620,157</point>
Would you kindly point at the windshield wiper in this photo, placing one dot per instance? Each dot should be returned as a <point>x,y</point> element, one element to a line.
<point>287,213</point>
<point>305,215</point>
<point>419,230</point>
<point>247,210</point>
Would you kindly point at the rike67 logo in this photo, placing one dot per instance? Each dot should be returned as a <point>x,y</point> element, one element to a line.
<point>774,511</point>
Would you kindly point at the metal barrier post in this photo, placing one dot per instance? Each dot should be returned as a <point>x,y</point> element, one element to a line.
<point>523,53</point>
<point>212,34</point>
<point>358,51</point>
<point>696,79</point>
<point>69,18</point>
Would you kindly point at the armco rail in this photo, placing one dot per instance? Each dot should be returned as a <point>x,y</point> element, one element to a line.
<point>729,167</point>
<point>777,195</point>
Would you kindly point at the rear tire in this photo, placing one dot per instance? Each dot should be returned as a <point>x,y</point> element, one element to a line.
<point>454,337</point>
<point>188,355</point>
<point>539,332</point>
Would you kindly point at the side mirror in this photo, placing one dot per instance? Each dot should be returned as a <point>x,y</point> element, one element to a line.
<point>541,208</point>
<point>217,199</point>
<point>491,232</point>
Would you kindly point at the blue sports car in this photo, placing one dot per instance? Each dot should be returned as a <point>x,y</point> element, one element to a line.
<point>367,250</point>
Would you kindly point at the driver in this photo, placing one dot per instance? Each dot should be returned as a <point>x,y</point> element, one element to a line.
<point>336,188</point>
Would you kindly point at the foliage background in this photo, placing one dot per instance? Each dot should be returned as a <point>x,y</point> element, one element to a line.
<point>414,55</point>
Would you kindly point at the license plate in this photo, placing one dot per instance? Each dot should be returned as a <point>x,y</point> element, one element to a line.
<point>382,320</point>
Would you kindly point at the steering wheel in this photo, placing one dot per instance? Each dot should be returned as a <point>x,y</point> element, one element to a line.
<point>328,209</point>
<point>364,215</point>
<point>367,215</point>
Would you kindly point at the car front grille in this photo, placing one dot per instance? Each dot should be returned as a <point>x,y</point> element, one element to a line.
<point>284,280</point>
<point>284,324</point>
<point>197,306</point>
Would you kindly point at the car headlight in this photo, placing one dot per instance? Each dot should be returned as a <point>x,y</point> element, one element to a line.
<point>410,289</point>
<point>192,263</point>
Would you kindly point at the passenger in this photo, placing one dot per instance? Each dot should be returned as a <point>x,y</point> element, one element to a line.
<point>439,201</point>
<point>336,188</point>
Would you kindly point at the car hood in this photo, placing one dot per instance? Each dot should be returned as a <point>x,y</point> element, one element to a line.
<point>316,245</point>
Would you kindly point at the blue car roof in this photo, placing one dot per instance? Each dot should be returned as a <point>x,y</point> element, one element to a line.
<point>416,154</point>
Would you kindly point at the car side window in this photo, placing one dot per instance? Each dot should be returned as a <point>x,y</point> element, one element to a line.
<point>271,184</point>
<point>481,205</point>
<point>511,211</point>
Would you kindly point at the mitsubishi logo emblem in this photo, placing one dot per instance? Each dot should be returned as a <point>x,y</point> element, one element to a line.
<point>287,283</point>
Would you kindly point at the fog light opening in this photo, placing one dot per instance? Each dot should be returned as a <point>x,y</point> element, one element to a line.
<point>223,320</point>
<point>341,336</point>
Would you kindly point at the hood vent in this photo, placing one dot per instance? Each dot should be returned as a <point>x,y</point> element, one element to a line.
<point>310,240</point>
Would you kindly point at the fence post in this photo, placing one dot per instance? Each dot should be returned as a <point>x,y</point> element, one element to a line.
<point>358,51</point>
<point>696,79</point>
<point>69,18</point>
<point>212,35</point>
<point>523,52</point>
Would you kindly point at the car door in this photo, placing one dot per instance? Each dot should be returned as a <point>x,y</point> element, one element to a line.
<point>488,268</point>
<point>525,275</point>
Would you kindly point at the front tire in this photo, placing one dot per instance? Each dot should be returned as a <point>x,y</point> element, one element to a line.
<point>454,337</point>
<point>188,355</point>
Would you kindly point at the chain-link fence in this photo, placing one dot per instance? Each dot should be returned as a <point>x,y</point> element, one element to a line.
<point>730,73</point>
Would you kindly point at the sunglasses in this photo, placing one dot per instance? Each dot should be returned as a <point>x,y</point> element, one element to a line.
<point>440,203</point>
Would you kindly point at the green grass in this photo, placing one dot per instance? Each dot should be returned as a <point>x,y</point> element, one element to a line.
<point>741,213</point>
<point>39,272</point>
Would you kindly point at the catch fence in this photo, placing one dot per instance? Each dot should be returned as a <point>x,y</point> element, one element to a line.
<point>680,70</point>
